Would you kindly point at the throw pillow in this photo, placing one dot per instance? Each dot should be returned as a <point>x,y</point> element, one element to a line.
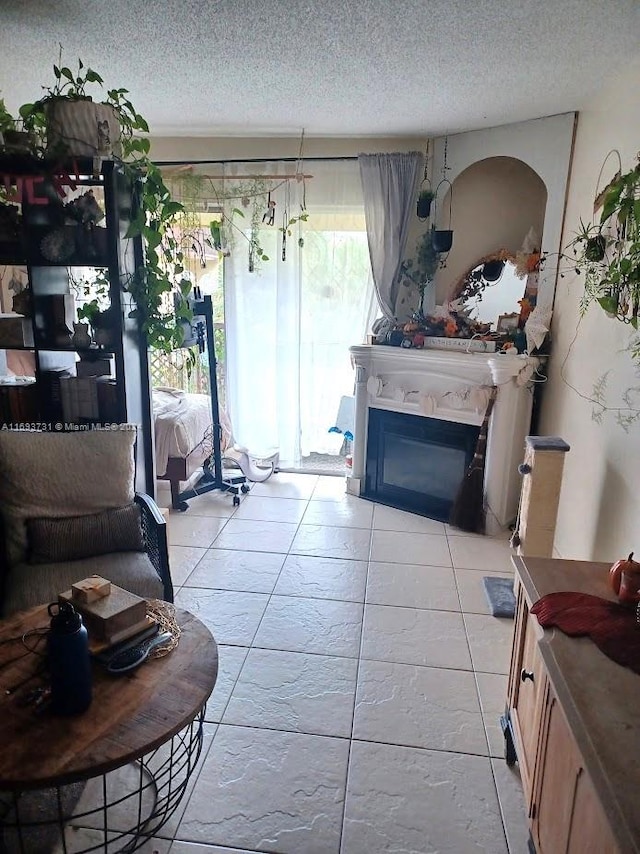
<point>77,537</point>
<point>61,474</point>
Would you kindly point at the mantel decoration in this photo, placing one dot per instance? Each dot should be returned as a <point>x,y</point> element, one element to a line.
<point>524,329</point>
<point>421,270</point>
<point>65,123</point>
<point>607,252</point>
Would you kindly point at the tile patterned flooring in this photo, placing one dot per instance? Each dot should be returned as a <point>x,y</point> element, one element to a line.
<point>361,679</point>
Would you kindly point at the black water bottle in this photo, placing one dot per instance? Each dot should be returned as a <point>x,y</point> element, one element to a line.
<point>69,663</point>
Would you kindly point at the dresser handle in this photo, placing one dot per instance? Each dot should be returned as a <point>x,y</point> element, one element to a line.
<point>526,674</point>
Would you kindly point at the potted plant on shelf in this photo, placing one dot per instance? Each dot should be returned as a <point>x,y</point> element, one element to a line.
<point>67,122</point>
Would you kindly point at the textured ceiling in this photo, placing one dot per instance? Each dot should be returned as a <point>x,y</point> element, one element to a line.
<point>332,67</point>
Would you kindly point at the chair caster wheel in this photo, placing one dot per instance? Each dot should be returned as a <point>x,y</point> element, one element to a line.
<point>236,500</point>
<point>244,488</point>
<point>182,507</point>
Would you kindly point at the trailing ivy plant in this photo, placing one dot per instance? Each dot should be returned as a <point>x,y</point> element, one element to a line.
<point>163,273</point>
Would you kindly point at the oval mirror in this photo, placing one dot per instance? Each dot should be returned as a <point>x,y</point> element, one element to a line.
<point>492,290</point>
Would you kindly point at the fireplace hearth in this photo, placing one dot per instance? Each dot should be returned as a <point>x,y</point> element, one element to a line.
<point>415,462</point>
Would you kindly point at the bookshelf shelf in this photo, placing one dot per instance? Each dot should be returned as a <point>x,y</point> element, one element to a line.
<point>75,384</point>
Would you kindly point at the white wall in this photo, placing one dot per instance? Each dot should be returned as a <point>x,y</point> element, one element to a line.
<point>599,515</point>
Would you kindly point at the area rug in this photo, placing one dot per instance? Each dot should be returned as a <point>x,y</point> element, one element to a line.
<point>499,593</point>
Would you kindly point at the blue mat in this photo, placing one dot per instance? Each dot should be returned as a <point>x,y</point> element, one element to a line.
<point>499,593</point>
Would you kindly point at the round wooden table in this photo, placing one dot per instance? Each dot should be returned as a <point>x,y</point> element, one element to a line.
<point>152,716</point>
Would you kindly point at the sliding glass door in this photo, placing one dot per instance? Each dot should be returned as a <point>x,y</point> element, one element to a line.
<point>290,321</point>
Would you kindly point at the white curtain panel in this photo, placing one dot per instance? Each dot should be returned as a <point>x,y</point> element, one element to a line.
<point>389,185</point>
<point>289,323</point>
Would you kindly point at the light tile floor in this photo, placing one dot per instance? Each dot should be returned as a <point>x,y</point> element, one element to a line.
<point>361,678</point>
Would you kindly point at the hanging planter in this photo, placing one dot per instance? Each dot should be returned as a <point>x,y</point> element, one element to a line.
<point>595,248</point>
<point>423,206</point>
<point>441,240</point>
<point>492,270</point>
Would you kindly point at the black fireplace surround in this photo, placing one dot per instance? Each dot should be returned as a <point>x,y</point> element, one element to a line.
<point>417,463</point>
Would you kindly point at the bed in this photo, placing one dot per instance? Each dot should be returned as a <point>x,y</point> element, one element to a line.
<point>183,432</point>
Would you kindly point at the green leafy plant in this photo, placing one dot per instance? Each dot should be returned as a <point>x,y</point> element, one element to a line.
<point>607,253</point>
<point>93,295</point>
<point>7,122</point>
<point>286,229</point>
<point>163,273</point>
<point>215,239</point>
<point>73,86</point>
<point>160,287</point>
<point>420,271</point>
<point>423,203</point>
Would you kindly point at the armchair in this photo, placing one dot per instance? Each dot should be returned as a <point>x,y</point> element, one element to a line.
<point>68,510</point>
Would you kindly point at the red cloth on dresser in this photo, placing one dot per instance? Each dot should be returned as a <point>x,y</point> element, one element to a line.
<point>611,626</point>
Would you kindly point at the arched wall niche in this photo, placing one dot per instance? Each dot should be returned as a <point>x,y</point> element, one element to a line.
<point>495,203</point>
<point>544,145</point>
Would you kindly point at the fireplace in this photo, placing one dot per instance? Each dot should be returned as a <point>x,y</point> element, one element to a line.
<point>416,463</point>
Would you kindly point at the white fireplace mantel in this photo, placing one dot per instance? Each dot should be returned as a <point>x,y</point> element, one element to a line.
<point>450,386</point>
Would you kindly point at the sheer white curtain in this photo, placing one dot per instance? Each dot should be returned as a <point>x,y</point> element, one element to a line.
<point>289,323</point>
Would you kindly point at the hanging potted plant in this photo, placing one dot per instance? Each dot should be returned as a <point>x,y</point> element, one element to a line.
<point>607,253</point>
<point>492,270</point>
<point>442,239</point>
<point>423,206</point>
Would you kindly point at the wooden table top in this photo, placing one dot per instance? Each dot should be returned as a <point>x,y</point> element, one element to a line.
<point>130,715</point>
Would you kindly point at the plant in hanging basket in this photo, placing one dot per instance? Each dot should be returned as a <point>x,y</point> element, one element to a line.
<point>492,270</point>
<point>442,240</point>
<point>607,253</point>
<point>423,205</point>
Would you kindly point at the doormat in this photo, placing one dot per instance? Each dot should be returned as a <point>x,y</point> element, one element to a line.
<point>499,593</point>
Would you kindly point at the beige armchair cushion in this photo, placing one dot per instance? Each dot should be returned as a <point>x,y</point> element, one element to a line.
<point>61,475</point>
<point>29,585</point>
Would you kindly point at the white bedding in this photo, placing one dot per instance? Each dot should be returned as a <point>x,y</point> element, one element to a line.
<point>181,421</point>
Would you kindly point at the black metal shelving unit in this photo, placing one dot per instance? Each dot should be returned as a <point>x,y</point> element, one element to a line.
<point>38,188</point>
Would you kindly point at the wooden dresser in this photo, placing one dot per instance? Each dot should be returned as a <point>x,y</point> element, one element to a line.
<point>573,716</point>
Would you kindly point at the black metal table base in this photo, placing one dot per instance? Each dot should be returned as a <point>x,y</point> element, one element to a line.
<point>114,812</point>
